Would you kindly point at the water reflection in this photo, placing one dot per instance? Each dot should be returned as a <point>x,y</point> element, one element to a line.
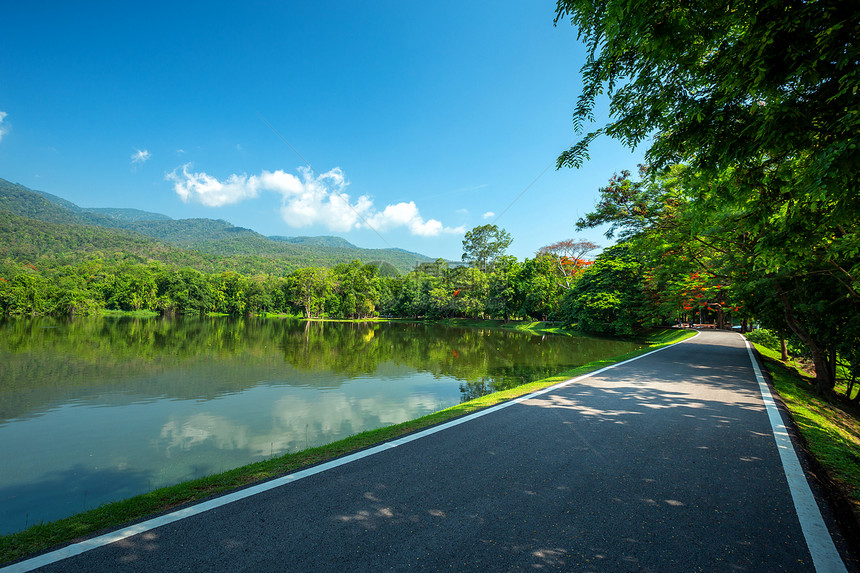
<point>182,435</point>
<point>100,409</point>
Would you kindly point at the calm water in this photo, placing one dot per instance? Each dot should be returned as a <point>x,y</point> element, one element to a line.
<point>96,410</point>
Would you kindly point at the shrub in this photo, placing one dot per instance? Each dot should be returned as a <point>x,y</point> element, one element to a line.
<point>765,337</point>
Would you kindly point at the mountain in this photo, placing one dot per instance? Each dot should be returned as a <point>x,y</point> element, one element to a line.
<point>19,200</point>
<point>192,233</point>
<point>324,241</point>
<point>148,234</point>
<point>129,215</point>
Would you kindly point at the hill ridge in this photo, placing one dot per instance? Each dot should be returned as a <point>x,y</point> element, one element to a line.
<point>208,237</point>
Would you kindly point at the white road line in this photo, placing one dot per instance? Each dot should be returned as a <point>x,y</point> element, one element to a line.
<point>825,557</point>
<point>144,526</point>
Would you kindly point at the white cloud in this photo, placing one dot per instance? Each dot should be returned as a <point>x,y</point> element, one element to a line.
<point>406,215</point>
<point>207,190</point>
<point>430,228</point>
<point>306,200</point>
<point>489,215</point>
<point>321,200</point>
<point>140,156</point>
<point>399,215</point>
<point>283,183</point>
<point>3,130</point>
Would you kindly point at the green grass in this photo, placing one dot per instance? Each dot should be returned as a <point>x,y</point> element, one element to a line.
<point>479,323</point>
<point>830,427</point>
<point>129,313</point>
<point>278,315</point>
<point>112,515</point>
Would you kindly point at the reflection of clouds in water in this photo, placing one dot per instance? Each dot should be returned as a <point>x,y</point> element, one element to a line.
<point>299,423</point>
<point>397,411</point>
<point>199,428</point>
<point>296,423</point>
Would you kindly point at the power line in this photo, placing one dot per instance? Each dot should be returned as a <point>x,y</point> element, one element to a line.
<point>542,173</point>
<point>523,192</point>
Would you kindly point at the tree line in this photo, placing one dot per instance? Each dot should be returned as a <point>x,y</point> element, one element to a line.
<point>490,285</point>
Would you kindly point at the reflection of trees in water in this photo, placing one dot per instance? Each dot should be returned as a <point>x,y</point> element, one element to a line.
<point>343,348</point>
<point>505,378</point>
<point>52,355</point>
<point>486,360</point>
<point>475,389</point>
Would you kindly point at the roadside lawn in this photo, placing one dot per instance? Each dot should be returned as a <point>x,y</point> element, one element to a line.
<point>830,426</point>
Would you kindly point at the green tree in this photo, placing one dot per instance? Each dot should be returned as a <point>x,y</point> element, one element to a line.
<point>259,295</point>
<point>73,299</point>
<point>134,288</point>
<point>308,288</point>
<point>503,296</point>
<point>610,296</point>
<point>230,290</point>
<point>539,287</point>
<point>714,255</point>
<point>411,300</point>
<point>722,83</point>
<point>484,244</point>
<point>356,287</point>
<point>470,291</point>
<point>26,293</point>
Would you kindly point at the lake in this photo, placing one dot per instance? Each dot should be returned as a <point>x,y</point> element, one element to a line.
<point>94,410</point>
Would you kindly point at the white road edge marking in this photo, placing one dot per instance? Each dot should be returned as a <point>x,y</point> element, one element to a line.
<point>825,557</point>
<point>144,526</point>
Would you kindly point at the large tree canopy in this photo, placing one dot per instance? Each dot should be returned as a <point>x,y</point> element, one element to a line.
<point>722,82</point>
<point>768,89</point>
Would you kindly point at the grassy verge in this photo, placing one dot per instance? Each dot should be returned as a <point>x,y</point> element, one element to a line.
<point>112,515</point>
<point>129,313</point>
<point>830,427</point>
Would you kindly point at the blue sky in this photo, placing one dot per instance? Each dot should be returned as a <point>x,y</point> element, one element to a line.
<point>392,123</point>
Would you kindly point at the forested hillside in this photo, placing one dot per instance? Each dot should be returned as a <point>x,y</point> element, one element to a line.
<point>19,200</point>
<point>129,215</point>
<point>38,226</point>
<point>38,244</point>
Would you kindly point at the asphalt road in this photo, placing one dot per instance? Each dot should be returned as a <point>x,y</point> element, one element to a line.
<point>666,463</point>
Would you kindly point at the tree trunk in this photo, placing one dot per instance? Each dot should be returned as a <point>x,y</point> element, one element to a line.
<point>823,381</point>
